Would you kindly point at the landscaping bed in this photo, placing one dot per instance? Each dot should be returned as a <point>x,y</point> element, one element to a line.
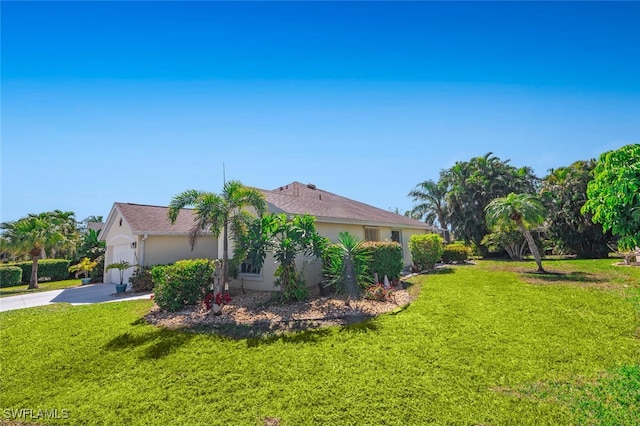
<point>263,313</point>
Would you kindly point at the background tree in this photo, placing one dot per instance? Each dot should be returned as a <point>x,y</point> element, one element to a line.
<point>217,213</point>
<point>473,184</point>
<point>91,247</point>
<point>614,195</point>
<point>564,192</point>
<point>31,235</point>
<point>523,210</point>
<point>65,222</point>
<point>431,199</point>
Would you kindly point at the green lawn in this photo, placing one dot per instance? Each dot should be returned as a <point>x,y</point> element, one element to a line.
<point>43,286</point>
<point>483,344</point>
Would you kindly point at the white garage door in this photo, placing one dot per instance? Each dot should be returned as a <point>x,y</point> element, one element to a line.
<point>122,252</point>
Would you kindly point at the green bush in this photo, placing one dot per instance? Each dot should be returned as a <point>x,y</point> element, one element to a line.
<point>10,276</point>
<point>183,283</point>
<point>386,259</point>
<point>97,274</point>
<point>48,269</point>
<point>426,250</point>
<point>455,253</point>
<point>141,279</point>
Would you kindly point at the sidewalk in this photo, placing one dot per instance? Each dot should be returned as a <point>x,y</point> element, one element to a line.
<point>92,293</point>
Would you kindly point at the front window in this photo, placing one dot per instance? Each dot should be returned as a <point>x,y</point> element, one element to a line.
<point>371,234</point>
<point>396,236</point>
<point>247,268</point>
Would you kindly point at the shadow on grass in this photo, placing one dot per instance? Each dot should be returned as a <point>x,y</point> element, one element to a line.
<point>576,277</point>
<point>159,343</point>
<point>294,338</point>
<point>360,327</point>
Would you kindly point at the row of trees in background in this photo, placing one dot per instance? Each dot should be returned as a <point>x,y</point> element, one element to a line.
<point>55,234</point>
<point>588,205</point>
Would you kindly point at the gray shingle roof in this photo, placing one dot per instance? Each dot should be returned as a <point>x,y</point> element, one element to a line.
<point>298,198</point>
<point>294,198</point>
<point>153,219</point>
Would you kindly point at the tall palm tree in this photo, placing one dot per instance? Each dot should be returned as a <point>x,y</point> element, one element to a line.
<point>218,212</point>
<point>66,224</point>
<point>523,210</point>
<point>432,202</point>
<point>31,235</point>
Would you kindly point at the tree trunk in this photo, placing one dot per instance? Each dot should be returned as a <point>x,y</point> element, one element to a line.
<point>532,246</point>
<point>33,282</point>
<point>350,279</point>
<point>225,257</point>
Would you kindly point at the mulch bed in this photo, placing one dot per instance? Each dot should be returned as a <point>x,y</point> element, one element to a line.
<point>256,313</point>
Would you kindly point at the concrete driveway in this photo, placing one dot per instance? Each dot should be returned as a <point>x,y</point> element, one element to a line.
<point>92,293</point>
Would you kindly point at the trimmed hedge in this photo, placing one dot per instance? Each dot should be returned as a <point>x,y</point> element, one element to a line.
<point>48,269</point>
<point>455,253</point>
<point>10,276</point>
<point>386,259</point>
<point>183,283</point>
<point>426,250</point>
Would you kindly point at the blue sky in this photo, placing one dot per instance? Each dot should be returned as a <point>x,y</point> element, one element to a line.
<point>138,101</point>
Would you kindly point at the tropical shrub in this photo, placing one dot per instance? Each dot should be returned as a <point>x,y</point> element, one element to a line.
<point>286,238</point>
<point>378,293</point>
<point>455,253</point>
<point>85,266</point>
<point>386,259</point>
<point>48,269</point>
<point>121,266</point>
<point>426,250</point>
<point>345,265</point>
<point>183,283</point>
<point>141,279</point>
<point>10,276</point>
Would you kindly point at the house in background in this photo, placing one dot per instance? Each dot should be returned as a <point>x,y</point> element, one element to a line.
<point>143,235</point>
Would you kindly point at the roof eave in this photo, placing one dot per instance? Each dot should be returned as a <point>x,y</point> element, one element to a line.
<point>326,219</point>
<point>168,234</point>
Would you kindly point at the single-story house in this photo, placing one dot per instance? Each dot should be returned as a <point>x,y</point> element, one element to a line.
<point>143,235</point>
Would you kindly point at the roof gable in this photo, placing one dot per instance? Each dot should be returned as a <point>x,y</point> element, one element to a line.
<point>298,198</point>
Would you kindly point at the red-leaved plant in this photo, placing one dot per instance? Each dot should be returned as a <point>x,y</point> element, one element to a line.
<point>219,299</point>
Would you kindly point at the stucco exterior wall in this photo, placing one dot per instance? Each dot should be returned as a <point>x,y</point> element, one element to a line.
<point>163,249</point>
<point>331,231</point>
<point>313,267</point>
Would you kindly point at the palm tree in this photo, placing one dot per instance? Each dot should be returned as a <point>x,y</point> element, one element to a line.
<point>67,225</point>
<point>216,212</point>
<point>432,202</point>
<point>523,210</point>
<point>31,235</point>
